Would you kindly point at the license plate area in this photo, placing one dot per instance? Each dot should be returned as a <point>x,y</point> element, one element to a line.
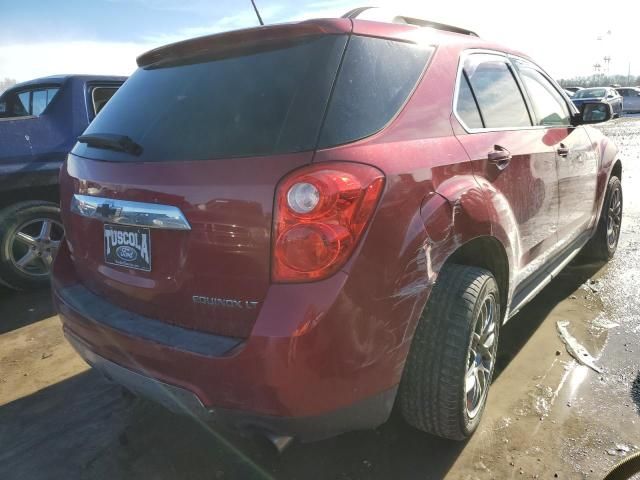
<point>127,246</point>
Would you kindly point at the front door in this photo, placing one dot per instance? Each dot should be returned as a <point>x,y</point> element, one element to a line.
<point>577,161</point>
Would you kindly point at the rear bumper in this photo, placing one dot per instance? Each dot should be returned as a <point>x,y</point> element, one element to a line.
<point>365,414</point>
<point>300,374</point>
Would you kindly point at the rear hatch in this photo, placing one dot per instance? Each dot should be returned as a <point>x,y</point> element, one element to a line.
<point>197,138</point>
<point>174,181</point>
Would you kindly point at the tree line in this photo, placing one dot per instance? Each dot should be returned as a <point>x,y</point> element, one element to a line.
<point>6,83</point>
<point>601,81</point>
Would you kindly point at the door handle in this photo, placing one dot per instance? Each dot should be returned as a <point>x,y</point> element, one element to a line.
<point>500,157</point>
<point>563,151</point>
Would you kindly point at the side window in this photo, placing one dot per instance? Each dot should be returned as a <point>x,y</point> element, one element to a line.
<point>375,80</point>
<point>38,102</point>
<point>100,96</point>
<point>466,106</point>
<point>499,98</point>
<point>548,104</point>
<point>30,102</point>
<point>22,105</point>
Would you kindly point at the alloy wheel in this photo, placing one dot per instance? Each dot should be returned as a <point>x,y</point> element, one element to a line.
<point>33,246</point>
<point>614,218</point>
<point>482,355</point>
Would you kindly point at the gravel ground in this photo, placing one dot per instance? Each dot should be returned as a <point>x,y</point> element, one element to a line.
<point>548,416</point>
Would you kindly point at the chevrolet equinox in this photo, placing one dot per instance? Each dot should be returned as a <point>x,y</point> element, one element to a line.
<point>291,229</point>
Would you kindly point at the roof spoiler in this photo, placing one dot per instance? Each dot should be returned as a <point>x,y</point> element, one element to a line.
<point>418,22</point>
<point>225,43</point>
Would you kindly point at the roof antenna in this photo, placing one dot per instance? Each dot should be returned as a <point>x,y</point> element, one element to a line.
<point>257,12</point>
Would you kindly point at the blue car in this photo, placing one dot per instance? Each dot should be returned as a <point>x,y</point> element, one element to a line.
<point>603,94</point>
<point>40,121</point>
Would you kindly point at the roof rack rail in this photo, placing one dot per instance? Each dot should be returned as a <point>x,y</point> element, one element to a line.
<point>419,22</point>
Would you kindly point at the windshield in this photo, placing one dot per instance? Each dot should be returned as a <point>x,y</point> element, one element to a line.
<point>591,93</point>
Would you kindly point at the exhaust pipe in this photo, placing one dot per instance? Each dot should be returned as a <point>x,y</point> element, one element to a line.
<point>281,442</point>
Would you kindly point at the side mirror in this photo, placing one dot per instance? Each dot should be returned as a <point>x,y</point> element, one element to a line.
<point>594,112</point>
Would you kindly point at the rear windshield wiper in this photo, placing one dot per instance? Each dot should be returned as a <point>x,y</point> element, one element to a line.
<point>111,141</point>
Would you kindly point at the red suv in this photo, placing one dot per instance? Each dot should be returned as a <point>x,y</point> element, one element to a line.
<point>292,228</point>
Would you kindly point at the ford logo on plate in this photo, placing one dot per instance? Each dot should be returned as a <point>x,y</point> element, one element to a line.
<point>127,253</point>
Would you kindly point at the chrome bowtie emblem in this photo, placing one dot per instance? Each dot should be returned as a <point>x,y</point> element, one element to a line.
<point>106,210</point>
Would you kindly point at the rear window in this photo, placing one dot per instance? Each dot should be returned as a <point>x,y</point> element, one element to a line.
<point>591,93</point>
<point>268,102</point>
<point>375,80</point>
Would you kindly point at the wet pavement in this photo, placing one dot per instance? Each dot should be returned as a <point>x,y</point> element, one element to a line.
<point>548,416</point>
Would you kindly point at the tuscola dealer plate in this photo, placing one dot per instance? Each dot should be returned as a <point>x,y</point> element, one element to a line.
<point>127,246</point>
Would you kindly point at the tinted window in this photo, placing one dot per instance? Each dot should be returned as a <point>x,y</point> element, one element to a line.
<point>548,104</point>
<point>466,107</point>
<point>376,77</point>
<point>499,97</point>
<point>251,103</point>
<point>100,96</point>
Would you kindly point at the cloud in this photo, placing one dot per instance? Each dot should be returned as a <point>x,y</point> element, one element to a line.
<point>245,19</point>
<point>27,61</point>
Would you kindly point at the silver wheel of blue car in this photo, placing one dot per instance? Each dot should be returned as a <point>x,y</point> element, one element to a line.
<point>30,235</point>
<point>34,244</point>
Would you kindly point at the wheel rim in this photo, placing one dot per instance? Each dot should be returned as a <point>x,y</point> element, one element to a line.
<point>614,218</point>
<point>482,356</point>
<point>33,246</point>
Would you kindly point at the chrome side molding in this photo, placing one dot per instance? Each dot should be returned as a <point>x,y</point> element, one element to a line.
<point>136,214</point>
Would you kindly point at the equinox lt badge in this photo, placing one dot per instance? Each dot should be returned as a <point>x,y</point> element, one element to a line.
<point>225,302</point>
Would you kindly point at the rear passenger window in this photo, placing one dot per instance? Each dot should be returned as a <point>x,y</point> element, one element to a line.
<point>466,106</point>
<point>498,95</point>
<point>100,96</point>
<point>375,80</point>
<point>548,105</point>
<point>26,103</point>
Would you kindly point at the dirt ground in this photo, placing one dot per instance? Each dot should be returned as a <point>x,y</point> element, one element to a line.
<point>547,417</point>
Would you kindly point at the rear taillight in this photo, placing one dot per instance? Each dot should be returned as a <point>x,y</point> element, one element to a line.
<point>321,212</point>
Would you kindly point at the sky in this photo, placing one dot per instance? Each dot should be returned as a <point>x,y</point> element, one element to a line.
<point>45,37</point>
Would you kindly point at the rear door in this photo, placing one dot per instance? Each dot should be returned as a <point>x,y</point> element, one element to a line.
<point>577,161</point>
<point>513,159</point>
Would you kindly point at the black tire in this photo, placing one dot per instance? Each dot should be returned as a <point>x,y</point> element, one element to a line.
<point>24,217</point>
<point>432,395</point>
<point>601,246</point>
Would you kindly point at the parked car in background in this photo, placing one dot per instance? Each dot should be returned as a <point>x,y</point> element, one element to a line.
<point>573,89</point>
<point>569,93</point>
<point>40,121</point>
<point>630,99</point>
<point>600,94</point>
<point>296,255</point>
